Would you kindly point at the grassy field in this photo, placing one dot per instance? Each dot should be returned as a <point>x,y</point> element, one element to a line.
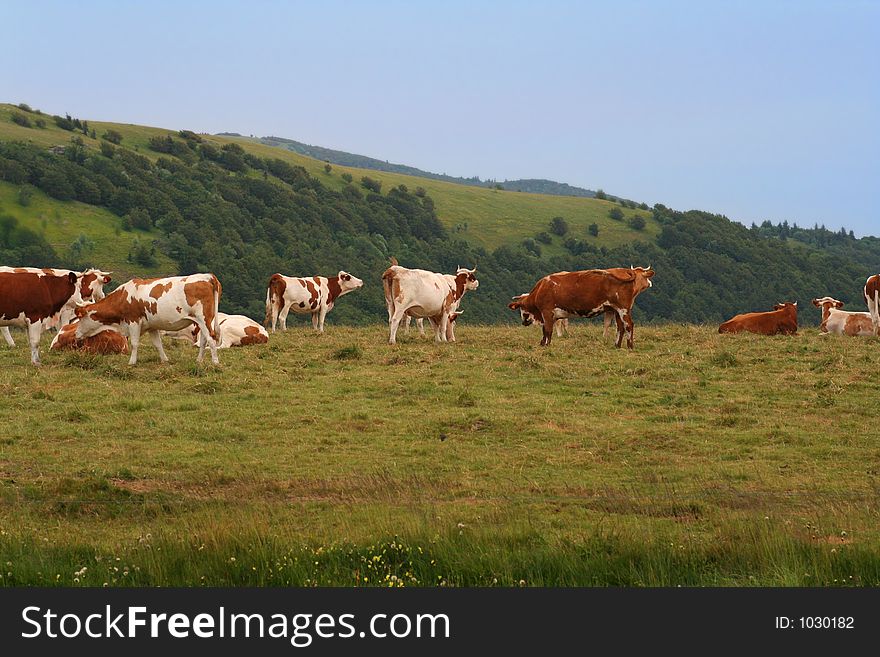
<point>484,217</point>
<point>697,459</point>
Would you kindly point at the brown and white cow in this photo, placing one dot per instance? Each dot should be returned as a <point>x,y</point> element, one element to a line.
<point>90,288</point>
<point>841,322</point>
<point>315,295</point>
<point>781,320</point>
<point>107,341</point>
<point>29,296</point>
<point>234,331</point>
<point>154,305</point>
<point>420,293</point>
<point>585,294</point>
<point>872,298</point>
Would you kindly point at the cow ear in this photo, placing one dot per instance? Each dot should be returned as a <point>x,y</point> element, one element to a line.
<point>648,273</point>
<point>72,277</point>
<point>514,305</point>
<point>816,302</point>
<point>839,304</point>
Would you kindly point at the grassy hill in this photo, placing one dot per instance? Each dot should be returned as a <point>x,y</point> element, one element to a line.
<point>482,217</point>
<point>682,463</point>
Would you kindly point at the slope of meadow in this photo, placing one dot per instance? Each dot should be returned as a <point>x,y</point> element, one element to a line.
<point>696,459</point>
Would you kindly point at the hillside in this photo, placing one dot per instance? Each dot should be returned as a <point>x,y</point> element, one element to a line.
<point>176,202</point>
<point>533,185</point>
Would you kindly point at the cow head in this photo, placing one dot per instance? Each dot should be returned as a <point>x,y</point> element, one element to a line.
<point>347,282</point>
<point>643,278</point>
<point>528,317</point>
<point>93,282</point>
<point>785,304</point>
<point>466,278</point>
<point>826,303</point>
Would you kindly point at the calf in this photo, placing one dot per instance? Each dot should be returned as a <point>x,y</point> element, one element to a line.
<point>30,296</point>
<point>155,305</point>
<point>781,320</point>
<point>103,342</point>
<point>840,322</point>
<point>421,293</point>
<point>316,295</point>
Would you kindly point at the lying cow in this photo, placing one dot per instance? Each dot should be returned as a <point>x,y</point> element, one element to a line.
<point>316,295</point>
<point>30,296</point>
<point>872,298</point>
<point>841,322</point>
<point>155,305</point>
<point>234,330</point>
<point>781,320</point>
<point>585,294</point>
<point>90,287</point>
<point>420,293</point>
<point>107,341</point>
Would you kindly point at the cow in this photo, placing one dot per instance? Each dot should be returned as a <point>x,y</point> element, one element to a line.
<point>316,295</point>
<point>781,320</point>
<point>421,293</point>
<point>29,296</point>
<point>840,322</point>
<point>585,294</point>
<point>103,342</point>
<point>872,298</point>
<point>234,330</point>
<point>154,305</point>
<point>90,288</point>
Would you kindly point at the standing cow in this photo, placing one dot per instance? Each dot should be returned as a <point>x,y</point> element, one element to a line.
<point>420,293</point>
<point>89,288</point>
<point>585,294</point>
<point>154,305</point>
<point>872,298</point>
<point>316,295</point>
<point>30,296</point>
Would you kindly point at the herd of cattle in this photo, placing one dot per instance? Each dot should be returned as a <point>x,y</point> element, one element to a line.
<point>187,307</point>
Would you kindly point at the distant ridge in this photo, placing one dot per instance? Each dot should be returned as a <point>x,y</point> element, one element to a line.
<point>342,158</point>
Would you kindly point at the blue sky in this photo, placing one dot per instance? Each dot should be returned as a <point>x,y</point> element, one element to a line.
<point>756,110</point>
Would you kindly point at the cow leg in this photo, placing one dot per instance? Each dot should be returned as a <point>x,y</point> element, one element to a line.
<point>156,339</point>
<point>547,327</point>
<point>620,330</point>
<point>450,331</point>
<point>421,324</point>
<point>8,336</point>
<point>315,321</point>
<point>406,322</point>
<point>321,316</point>
<point>609,315</point>
<point>134,336</point>
<point>205,336</point>
<point>34,331</point>
<point>283,315</point>
<point>396,318</point>
<point>560,327</point>
<point>624,328</point>
<point>440,331</point>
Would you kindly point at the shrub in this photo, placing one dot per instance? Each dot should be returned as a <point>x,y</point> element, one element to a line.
<point>347,177</point>
<point>189,135</point>
<point>593,229</point>
<point>637,222</point>
<point>601,195</point>
<point>328,168</point>
<point>421,192</point>
<point>24,107</point>
<point>372,185</point>
<point>20,119</point>
<point>65,122</point>
<point>40,123</point>
<point>56,185</point>
<point>559,226</point>
<point>25,193</point>
<point>544,237</point>
<point>112,136</point>
<point>140,218</point>
<point>616,214</point>
<point>142,254</point>
<point>107,149</point>
<point>532,247</point>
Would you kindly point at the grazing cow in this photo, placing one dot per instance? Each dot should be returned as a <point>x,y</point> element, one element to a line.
<point>29,296</point>
<point>420,293</point>
<point>154,305</point>
<point>234,330</point>
<point>315,295</point>
<point>872,298</point>
<point>585,294</point>
<point>90,288</point>
<point>840,322</point>
<point>781,320</point>
<point>103,342</point>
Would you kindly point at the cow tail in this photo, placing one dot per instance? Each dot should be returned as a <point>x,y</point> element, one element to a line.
<point>218,290</point>
<point>387,279</point>
<point>875,311</point>
<point>272,298</point>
